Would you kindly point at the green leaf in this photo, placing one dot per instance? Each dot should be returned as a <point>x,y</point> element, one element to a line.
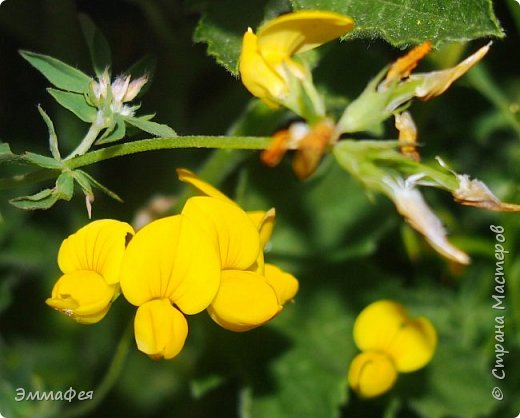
<point>74,102</point>
<point>113,134</point>
<point>65,186</point>
<point>223,26</point>
<point>97,45</point>
<point>154,128</point>
<point>42,161</point>
<point>85,180</point>
<point>6,155</point>
<point>53,139</point>
<point>63,190</point>
<point>61,75</point>
<point>399,22</point>
<point>402,23</point>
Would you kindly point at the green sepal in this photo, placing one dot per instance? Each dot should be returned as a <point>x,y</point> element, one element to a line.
<point>116,132</point>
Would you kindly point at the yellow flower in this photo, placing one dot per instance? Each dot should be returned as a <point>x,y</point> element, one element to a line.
<point>387,336</point>
<point>91,262</point>
<point>251,292</point>
<point>170,261</point>
<point>267,67</point>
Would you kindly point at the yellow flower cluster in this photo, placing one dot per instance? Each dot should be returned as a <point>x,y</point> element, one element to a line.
<point>391,343</point>
<point>210,256</point>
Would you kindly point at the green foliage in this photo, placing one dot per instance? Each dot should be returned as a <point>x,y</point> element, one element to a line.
<point>399,22</point>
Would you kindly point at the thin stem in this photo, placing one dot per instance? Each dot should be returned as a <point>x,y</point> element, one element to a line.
<point>109,379</point>
<point>216,142</point>
<point>219,142</point>
<point>89,139</point>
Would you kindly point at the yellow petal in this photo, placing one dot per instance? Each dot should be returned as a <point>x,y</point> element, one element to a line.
<point>258,76</point>
<point>264,222</point>
<point>301,31</point>
<point>160,329</point>
<point>98,246</point>
<point>414,345</point>
<point>285,285</point>
<point>207,189</point>
<point>385,326</point>
<point>171,258</point>
<point>82,295</point>
<point>244,301</point>
<point>371,374</point>
<point>378,324</point>
<point>232,230</point>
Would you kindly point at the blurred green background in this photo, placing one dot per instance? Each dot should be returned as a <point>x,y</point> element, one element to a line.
<point>346,249</point>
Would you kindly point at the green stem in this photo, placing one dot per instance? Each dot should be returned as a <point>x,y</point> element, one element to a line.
<point>220,142</point>
<point>109,379</point>
<point>153,144</point>
<point>87,142</point>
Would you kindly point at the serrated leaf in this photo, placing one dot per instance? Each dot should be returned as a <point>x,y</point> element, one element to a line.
<point>97,45</point>
<point>61,75</point>
<point>399,22</point>
<point>53,139</point>
<point>402,23</point>
<point>115,134</point>
<point>76,103</point>
<point>154,128</point>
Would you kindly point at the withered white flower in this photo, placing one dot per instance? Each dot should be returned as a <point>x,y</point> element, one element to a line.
<point>412,206</point>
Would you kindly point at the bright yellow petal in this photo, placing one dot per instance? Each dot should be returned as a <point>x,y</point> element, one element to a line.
<point>207,189</point>
<point>378,324</point>
<point>232,230</point>
<point>414,345</point>
<point>258,76</point>
<point>264,222</point>
<point>98,246</point>
<point>385,326</point>
<point>244,301</point>
<point>371,374</point>
<point>301,31</point>
<point>160,329</point>
<point>82,295</point>
<point>172,258</point>
<point>284,284</point>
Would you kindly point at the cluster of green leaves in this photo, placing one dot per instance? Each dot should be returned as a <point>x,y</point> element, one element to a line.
<point>73,90</point>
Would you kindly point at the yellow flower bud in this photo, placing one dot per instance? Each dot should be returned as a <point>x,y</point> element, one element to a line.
<point>385,326</point>
<point>371,374</point>
<point>266,66</point>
